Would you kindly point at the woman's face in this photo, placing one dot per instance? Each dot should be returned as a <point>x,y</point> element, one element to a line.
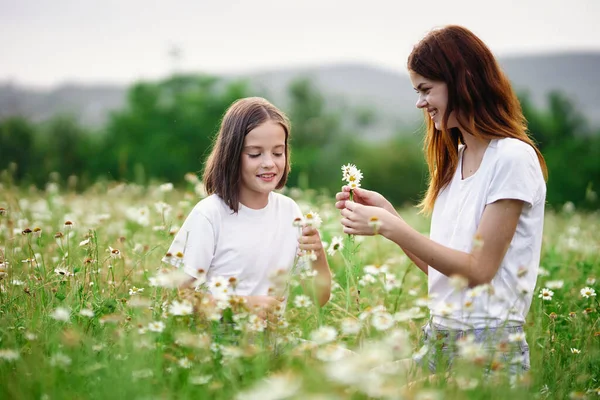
<point>433,97</point>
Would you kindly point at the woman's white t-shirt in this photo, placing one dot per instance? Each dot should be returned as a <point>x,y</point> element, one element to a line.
<point>510,169</point>
<point>251,246</point>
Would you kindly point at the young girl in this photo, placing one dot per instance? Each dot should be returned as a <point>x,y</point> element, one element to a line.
<point>244,232</point>
<point>486,194</point>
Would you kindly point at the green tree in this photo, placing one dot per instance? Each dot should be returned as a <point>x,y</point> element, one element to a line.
<point>167,128</point>
<point>62,146</point>
<point>570,149</point>
<point>17,141</point>
<point>316,137</point>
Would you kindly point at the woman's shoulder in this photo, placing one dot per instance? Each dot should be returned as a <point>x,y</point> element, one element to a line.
<point>514,147</point>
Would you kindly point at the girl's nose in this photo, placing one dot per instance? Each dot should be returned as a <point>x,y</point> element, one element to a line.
<point>267,162</point>
<point>421,102</point>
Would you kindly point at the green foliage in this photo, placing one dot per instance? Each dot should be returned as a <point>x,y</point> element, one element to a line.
<point>167,128</point>
<point>570,148</point>
<point>17,137</point>
<point>92,325</point>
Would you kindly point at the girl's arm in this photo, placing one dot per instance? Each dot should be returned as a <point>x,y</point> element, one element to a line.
<point>496,230</point>
<point>311,241</point>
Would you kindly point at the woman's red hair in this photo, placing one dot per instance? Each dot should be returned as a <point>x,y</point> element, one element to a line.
<point>479,93</point>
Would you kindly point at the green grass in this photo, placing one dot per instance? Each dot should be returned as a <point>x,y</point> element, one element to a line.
<point>113,354</point>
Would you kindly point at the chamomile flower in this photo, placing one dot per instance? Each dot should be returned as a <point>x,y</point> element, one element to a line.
<point>323,334</point>
<point>382,321</point>
<point>375,224</point>
<point>134,290</point>
<point>352,175</point>
<point>555,284</point>
<point>114,253</point>
<point>86,312</point>
<point>61,314</point>
<point>9,355</point>
<point>156,326</point>
<point>302,301</point>
<point>337,243</point>
<point>312,219</point>
<point>587,292</point>
<point>546,294</point>
<point>183,307</point>
<point>350,326</point>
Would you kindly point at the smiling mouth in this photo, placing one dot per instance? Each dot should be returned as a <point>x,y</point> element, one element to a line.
<point>433,113</point>
<point>268,176</point>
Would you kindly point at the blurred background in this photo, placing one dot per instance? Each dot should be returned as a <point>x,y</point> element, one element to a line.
<point>134,90</point>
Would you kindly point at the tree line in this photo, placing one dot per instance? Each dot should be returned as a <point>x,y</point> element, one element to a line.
<point>167,128</point>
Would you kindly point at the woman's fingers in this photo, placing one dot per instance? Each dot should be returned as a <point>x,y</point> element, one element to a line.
<point>347,222</point>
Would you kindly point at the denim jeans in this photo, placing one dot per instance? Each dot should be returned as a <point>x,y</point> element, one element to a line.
<point>443,346</point>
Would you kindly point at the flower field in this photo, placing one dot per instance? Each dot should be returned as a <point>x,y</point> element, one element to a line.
<point>88,310</point>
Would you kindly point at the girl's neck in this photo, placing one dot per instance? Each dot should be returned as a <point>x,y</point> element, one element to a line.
<point>255,201</point>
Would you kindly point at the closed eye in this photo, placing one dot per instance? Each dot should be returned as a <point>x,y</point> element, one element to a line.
<point>253,155</point>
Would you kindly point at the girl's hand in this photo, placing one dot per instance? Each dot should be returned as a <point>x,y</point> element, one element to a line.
<point>364,197</point>
<point>364,220</point>
<point>310,240</point>
<point>264,306</point>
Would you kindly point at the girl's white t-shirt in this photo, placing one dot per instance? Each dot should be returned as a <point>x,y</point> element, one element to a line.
<point>252,245</point>
<point>510,169</point>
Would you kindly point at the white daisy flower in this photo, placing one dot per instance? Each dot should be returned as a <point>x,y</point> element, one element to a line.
<point>382,321</point>
<point>181,308</point>
<point>323,334</point>
<point>587,292</point>
<point>156,326</point>
<point>555,284</point>
<point>61,314</point>
<point>86,312</point>
<point>312,219</point>
<point>350,326</point>
<point>302,301</point>
<point>337,244</point>
<point>9,355</point>
<point>546,294</point>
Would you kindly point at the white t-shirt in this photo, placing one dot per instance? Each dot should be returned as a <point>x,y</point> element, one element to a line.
<point>510,169</point>
<point>249,245</point>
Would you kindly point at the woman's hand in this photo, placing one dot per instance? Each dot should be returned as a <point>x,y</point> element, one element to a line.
<point>364,197</point>
<point>364,220</point>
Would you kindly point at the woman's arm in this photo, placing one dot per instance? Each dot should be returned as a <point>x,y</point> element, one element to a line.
<point>496,230</point>
<point>372,198</point>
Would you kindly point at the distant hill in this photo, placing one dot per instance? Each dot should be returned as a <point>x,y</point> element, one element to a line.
<point>387,92</point>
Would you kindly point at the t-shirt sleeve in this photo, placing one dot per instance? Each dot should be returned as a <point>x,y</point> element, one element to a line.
<point>194,245</point>
<point>516,176</point>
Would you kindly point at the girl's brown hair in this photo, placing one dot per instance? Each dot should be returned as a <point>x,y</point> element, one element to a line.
<point>222,173</point>
<point>479,93</point>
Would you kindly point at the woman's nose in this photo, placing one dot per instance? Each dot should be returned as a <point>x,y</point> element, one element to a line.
<point>421,102</point>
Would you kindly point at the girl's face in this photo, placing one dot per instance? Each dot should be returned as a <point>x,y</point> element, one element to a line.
<point>263,163</point>
<point>433,97</point>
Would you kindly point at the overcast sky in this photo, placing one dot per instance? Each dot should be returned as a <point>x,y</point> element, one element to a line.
<point>47,42</point>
